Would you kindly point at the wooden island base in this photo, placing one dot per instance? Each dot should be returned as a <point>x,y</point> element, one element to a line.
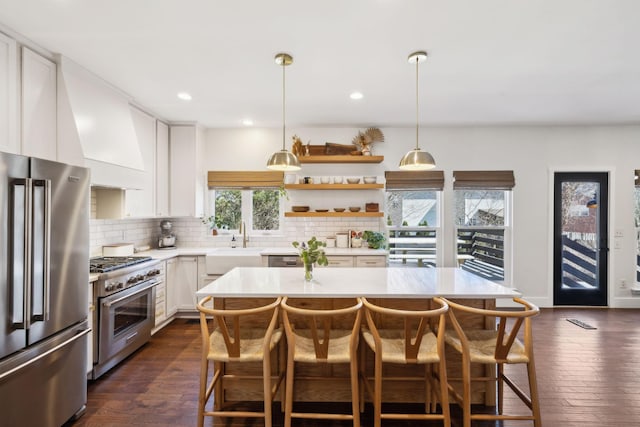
<point>330,383</point>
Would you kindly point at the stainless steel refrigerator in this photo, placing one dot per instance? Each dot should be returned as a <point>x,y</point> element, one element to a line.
<point>44,270</point>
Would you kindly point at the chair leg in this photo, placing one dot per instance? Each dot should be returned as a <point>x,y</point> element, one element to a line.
<point>533,393</point>
<point>500,377</point>
<point>377,391</point>
<point>282,369</point>
<point>288,406</point>
<point>466,392</point>
<point>355,390</point>
<point>266,388</point>
<point>362,377</point>
<point>204,372</point>
<point>444,393</point>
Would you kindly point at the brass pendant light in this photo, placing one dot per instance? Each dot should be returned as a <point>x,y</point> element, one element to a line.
<point>416,160</point>
<point>283,160</point>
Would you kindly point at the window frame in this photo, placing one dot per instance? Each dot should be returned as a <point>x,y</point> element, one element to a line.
<point>246,210</point>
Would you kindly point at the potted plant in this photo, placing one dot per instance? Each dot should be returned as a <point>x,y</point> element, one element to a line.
<point>374,239</point>
<point>210,222</point>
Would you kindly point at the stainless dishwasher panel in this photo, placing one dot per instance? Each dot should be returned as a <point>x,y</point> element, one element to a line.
<point>285,261</point>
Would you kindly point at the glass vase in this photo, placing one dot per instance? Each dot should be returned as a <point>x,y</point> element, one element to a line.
<point>308,271</point>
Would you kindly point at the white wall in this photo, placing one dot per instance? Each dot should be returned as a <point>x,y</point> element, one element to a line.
<point>533,153</point>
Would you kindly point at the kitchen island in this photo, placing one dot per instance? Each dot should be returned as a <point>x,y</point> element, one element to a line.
<point>411,288</point>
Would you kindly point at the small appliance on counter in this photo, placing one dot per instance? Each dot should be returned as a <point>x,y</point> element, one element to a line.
<point>167,239</point>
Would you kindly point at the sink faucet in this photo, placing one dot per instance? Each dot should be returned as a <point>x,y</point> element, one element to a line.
<point>243,226</point>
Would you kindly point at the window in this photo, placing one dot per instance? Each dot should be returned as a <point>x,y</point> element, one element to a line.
<point>413,217</point>
<point>261,209</point>
<point>252,198</point>
<point>482,209</point>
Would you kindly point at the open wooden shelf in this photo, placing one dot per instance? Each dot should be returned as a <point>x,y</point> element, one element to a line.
<point>340,159</point>
<point>334,214</point>
<point>333,186</point>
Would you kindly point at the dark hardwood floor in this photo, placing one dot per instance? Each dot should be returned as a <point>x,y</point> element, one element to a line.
<point>587,378</point>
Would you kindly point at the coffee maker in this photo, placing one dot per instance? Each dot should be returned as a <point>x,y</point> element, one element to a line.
<point>167,239</point>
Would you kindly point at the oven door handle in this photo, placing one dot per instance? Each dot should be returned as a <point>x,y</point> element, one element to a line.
<point>109,303</point>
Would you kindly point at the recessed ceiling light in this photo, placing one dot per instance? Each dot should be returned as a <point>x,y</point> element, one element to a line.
<point>356,95</point>
<point>247,122</point>
<point>185,96</point>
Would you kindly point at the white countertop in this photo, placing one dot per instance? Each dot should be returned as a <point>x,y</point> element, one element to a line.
<point>352,282</point>
<point>170,253</point>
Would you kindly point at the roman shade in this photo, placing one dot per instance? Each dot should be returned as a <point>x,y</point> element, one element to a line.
<point>245,179</point>
<point>414,180</point>
<point>494,180</point>
<point>637,178</point>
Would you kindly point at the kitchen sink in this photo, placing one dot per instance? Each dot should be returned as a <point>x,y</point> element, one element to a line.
<point>220,261</point>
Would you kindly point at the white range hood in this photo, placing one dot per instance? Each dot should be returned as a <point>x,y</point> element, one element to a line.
<point>97,117</point>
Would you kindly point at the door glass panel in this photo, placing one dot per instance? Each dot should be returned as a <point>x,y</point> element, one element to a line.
<point>133,312</point>
<point>579,222</point>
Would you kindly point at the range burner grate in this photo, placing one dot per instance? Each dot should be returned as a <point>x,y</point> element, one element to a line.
<point>110,263</point>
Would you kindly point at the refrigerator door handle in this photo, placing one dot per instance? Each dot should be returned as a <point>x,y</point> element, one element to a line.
<point>20,260</point>
<point>40,267</point>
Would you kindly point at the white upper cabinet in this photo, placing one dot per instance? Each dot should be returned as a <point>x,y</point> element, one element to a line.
<point>186,184</point>
<point>39,127</point>
<point>162,169</point>
<point>8,95</point>
<point>141,202</point>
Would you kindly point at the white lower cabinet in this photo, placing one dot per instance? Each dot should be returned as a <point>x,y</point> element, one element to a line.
<point>340,261</point>
<point>161,296</point>
<point>185,282</point>
<point>370,261</point>
<point>171,281</point>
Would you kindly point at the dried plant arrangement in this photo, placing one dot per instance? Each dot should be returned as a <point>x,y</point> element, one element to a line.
<point>364,139</point>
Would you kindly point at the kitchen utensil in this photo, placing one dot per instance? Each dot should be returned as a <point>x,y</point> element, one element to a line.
<point>118,249</point>
<point>342,240</point>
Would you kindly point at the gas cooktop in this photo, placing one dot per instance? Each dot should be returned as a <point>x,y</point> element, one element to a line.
<point>110,263</point>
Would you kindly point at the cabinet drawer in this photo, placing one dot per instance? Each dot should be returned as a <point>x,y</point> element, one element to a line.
<point>340,261</point>
<point>371,261</point>
<point>160,294</point>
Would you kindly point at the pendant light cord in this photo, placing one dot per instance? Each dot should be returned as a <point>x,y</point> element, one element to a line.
<point>283,101</point>
<point>417,116</point>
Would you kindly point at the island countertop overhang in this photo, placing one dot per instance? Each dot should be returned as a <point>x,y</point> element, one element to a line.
<point>390,282</point>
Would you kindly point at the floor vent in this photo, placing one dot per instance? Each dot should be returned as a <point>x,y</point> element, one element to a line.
<point>581,324</point>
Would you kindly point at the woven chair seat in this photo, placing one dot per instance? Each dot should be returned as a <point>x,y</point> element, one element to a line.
<point>482,346</point>
<point>338,347</point>
<point>393,346</point>
<point>251,344</point>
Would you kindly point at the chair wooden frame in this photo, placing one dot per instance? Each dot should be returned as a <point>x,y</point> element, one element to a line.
<point>507,348</point>
<point>322,353</point>
<point>227,342</point>
<point>418,326</point>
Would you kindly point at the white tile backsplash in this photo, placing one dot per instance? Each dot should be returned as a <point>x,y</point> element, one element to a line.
<point>191,232</point>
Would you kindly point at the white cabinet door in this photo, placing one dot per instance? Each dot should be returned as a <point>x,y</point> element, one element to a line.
<point>186,185</point>
<point>171,280</point>
<point>162,169</point>
<point>39,95</point>
<point>340,261</point>
<point>186,282</point>
<point>140,203</point>
<point>8,95</point>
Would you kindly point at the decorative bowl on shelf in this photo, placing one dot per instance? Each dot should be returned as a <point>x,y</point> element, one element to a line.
<point>300,208</point>
<point>370,179</point>
<point>338,209</point>
<point>354,208</point>
<point>371,207</point>
<point>322,210</point>
<point>353,180</point>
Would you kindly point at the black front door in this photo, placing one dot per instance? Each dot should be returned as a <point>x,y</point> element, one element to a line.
<point>580,238</point>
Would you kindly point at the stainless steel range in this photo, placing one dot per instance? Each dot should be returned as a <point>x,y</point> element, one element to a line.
<point>124,297</point>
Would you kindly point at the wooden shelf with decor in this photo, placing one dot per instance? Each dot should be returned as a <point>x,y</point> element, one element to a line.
<point>340,159</point>
<point>334,186</point>
<point>334,214</point>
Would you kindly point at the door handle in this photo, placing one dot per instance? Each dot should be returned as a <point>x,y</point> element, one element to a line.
<point>20,251</point>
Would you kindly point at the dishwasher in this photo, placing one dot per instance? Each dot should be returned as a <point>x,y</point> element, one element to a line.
<point>285,261</point>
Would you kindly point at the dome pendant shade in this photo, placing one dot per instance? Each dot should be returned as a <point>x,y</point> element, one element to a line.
<point>283,160</point>
<point>416,160</point>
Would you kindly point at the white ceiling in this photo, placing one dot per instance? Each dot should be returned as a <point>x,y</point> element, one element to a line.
<point>490,61</point>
